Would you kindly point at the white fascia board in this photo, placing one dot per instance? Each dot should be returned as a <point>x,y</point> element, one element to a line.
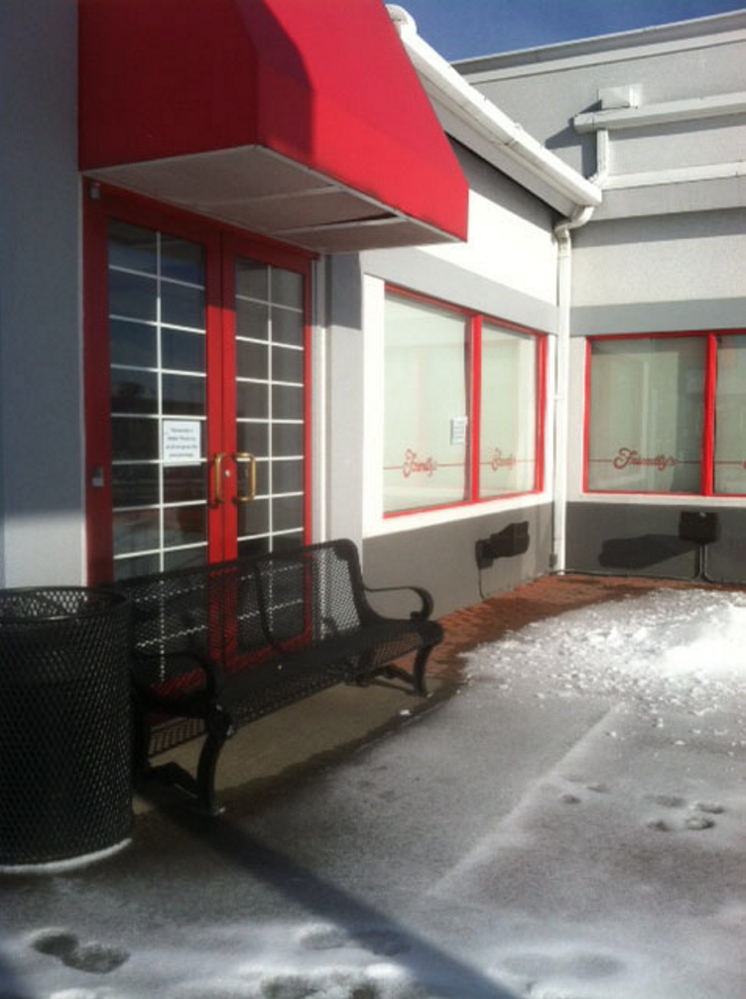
<point>677,175</point>
<point>481,123</point>
<point>691,109</point>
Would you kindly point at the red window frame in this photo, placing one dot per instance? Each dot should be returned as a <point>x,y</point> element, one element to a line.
<point>473,353</point>
<point>707,446</point>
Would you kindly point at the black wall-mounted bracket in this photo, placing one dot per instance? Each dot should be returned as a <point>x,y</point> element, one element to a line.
<point>512,540</point>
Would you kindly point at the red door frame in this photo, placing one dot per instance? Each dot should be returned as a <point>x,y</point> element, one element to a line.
<point>222,244</point>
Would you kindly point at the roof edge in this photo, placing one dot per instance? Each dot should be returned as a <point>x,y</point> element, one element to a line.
<point>677,32</point>
<point>507,137</point>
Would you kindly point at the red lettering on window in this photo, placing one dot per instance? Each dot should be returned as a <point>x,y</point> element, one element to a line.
<point>414,465</point>
<point>628,456</point>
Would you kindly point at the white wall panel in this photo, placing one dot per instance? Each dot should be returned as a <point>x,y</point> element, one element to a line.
<point>688,257</point>
<point>506,248</point>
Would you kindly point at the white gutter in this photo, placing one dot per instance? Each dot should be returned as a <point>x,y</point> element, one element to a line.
<point>458,96</point>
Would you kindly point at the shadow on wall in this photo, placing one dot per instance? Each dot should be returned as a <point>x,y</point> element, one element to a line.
<point>697,529</point>
<point>642,552</point>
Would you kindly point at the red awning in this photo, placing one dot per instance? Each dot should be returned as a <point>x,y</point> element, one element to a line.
<point>300,119</point>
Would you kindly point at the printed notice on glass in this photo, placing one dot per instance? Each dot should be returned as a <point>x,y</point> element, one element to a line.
<point>182,442</point>
<point>458,429</point>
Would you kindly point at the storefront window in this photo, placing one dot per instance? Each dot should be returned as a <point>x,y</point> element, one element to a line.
<point>426,407</point>
<point>730,416</point>
<point>508,413</point>
<point>462,400</point>
<point>668,414</point>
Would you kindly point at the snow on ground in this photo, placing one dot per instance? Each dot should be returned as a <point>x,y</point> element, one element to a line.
<point>671,648</point>
<point>571,826</point>
<point>636,839</point>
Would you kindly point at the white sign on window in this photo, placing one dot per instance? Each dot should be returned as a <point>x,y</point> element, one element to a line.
<point>458,429</point>
<point>182,442</point>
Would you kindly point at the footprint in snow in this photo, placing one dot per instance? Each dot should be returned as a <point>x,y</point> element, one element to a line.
<point>599,787</point>
<point>659,825</point>
<point>582,966</point>
<point>712,808</point>
<point>323,938</point>
<point>667,800</point>
<point>696,823</point>
<point>96,958</point>
<point>376,941</point>
<point>382,942</point>
<point>699,822</point>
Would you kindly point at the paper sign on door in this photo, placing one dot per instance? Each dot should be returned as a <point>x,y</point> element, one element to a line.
<point>182,442</point>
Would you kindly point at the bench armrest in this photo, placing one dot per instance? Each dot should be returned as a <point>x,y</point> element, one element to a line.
<point>427,601</point>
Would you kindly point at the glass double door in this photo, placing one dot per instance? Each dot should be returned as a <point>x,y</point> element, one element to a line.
<point>207,359</point>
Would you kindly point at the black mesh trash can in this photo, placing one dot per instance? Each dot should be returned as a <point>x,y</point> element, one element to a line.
<point>65,724</point>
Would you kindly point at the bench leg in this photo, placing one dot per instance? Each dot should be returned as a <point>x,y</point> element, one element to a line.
<point>417,677</point>
<point>418,671</point>
<point>219,728</point>
<point>141,730</point>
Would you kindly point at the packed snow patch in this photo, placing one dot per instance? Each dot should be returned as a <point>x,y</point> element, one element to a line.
<point>673,648</point>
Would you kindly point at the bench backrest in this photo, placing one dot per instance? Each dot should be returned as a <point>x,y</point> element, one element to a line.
<point>310,594</point>
<point>249,609</point>
<point>184,612</point>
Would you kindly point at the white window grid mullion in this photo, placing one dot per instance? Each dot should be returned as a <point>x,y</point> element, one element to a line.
<point>179,328</point>
<point>149,274</point>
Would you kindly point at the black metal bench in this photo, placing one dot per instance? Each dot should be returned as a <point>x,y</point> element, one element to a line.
<point>218,646</point>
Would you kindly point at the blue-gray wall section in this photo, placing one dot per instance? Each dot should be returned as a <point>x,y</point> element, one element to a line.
<point>40,338</point>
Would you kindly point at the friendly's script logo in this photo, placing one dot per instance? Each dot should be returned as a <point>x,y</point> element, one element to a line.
<point>628,456</point>
<point>413,465</point>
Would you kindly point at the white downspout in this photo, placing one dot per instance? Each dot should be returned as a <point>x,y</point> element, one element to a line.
<point>562,368</point>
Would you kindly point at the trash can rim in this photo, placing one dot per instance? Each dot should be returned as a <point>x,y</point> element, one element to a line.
<point>112,595</point>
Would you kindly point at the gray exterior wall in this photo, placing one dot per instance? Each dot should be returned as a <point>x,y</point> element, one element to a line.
<point>622,539</point>
<point>544,89</point>
<point>443,559</point>
<point>41,429</point>
<point>686,270</point>
<point>672,225</point>
<point>665,251</point>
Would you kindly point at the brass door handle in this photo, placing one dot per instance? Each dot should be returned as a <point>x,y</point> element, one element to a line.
<point>217,472</point>
<point>243,457</point>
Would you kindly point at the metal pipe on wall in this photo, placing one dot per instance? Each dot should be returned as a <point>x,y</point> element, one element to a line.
<point>562,232</point>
